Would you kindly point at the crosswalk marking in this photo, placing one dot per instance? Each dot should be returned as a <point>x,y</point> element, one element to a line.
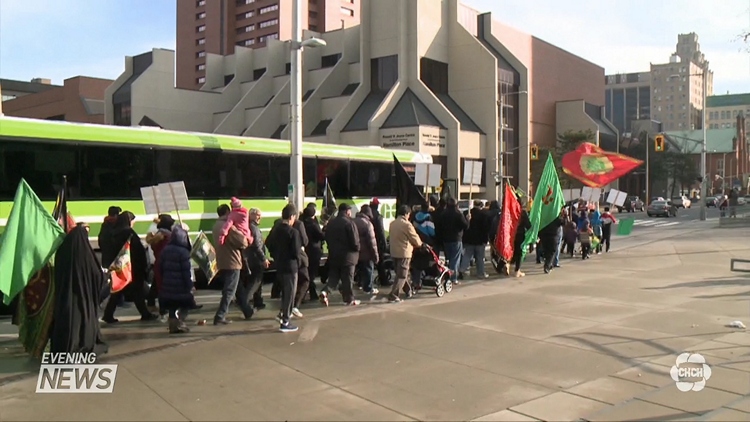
<point>655,223</point>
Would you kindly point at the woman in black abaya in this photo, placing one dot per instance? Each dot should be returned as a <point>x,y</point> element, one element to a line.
<point>79,283</point>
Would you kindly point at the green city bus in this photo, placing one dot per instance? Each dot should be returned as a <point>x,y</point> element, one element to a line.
<point>107,165</point>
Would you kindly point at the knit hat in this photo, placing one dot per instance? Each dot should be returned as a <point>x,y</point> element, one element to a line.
<point>236,203</point>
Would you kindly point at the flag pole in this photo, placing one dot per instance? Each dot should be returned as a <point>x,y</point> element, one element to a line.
<point>64,204</point>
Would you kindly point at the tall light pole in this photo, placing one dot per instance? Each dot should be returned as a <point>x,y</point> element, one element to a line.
<point>297,194</point>
<point>501,139</point>
<point>703,177</point>
<point>703,151</point>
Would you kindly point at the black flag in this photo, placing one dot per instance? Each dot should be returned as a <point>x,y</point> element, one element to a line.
<point>407,192</point>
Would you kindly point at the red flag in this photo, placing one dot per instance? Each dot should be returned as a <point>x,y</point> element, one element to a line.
<point>121,271</point>
<point>506,231</point>
<point>595,167</point>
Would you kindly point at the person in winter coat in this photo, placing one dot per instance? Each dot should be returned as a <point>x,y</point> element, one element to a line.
<point>175,272</point>
<point>493,214</point>
<point>449,232</point>
<point>157,242</point>
<point>548,236</point>
<point>314,249</point>
<point>368,250</point>
<point>343,242</point>
<point>475,240</point>
<point>123,232</point>
<point>404,240</point>
<point>524,225</point>
<point>105,240</point>
<point>379,226</point>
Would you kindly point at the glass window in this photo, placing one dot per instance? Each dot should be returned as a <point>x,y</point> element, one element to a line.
<point>122,114</point>
<point>200,3</point>
<point>200,41</point>
<point>346,11</point>
<point>268,9</point>
<point>258,73</point>
<point>618,109</point>
<point>434,74</point>
<point>201,66</point>
<point>371,179</point>
<point>200,170</point>
<point>200,54</point>
<point>201,80</point>
<point>201,28</point>
<point>337,173</point>
<point>330,60</point>
<point>201,15</point>
<point>115,172</point>
<point>43,165</point>
<point>384,73</point>
<point>266,24</point>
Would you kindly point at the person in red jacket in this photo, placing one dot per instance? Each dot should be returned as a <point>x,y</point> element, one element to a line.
<point>608,220</point>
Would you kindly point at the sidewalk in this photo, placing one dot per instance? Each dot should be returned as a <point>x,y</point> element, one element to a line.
<point>593,340</point>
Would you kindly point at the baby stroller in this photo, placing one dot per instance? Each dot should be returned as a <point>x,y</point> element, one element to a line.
<point>434,271</point>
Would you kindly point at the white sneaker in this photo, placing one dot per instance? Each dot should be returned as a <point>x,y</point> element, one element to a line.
<point>353,303</point>
<point>297,313</point>
<point>519,274</point>
<point>375,292</point>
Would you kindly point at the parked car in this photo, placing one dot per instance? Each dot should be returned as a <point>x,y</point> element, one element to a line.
<point>714,201</point>
<point>681,202</point>
<point>661,209</point>
<point>741,200</point>
<point>632,204</point>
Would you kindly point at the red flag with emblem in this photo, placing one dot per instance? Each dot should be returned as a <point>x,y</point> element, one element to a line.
<point>595,167</point>
<point>506,231</point>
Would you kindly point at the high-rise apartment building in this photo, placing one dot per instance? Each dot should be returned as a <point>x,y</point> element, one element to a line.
<point>724,109</point>
<point>217,26</point>
<point>670,93</point>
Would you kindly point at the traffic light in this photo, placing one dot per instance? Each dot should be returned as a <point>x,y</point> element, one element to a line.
<point>534,152</point>
<point>659,143</point>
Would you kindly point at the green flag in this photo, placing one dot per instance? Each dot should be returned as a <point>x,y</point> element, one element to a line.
<point>548,202</point>
<point>30,239</point>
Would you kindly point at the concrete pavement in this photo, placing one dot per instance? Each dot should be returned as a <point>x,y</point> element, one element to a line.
<point>594,340</point>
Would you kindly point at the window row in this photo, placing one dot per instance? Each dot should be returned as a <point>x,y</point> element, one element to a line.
<point>102,172</point>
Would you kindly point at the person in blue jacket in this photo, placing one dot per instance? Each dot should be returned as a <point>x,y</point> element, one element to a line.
<point>176,293</point>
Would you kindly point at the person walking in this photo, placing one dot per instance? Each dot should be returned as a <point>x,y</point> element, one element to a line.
<point>285,244</point>
<point>368,250</point>
<point>524,225</point>
<point>449,231</point>
<point>257,260</point>
<point>342,238</point>
<point>175,273</point>
<point>123,233</point>
<point>404,239</point>
<point>608,220</point>
<point>229,262</point>
<point>303,275</point>
<point>560,230</point>
<point>314,247</point>
<point>548,237</point>
<point>379,227</point>
<point>475,240</point>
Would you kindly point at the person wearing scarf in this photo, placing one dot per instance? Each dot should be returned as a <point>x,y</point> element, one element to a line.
<point>80,285</point>
<point>123,232</point>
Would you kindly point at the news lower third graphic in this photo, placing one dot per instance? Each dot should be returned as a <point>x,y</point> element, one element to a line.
<point>75,373</point>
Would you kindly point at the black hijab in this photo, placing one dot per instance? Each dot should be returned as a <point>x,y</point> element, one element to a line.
<point>79,283</point>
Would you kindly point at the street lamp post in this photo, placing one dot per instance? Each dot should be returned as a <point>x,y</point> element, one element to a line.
<point>501,140</point>
<point>297,194</point>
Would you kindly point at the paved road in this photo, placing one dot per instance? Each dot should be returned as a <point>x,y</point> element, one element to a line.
<point>593,340</point>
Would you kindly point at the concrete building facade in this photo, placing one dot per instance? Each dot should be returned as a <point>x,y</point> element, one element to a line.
<point>425,75</point>
<point>80,99</point>
<point>723,110</point>
<point>671,93</point>
<point>217,26</point>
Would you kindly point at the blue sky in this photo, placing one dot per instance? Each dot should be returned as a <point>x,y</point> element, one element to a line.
<point>92,37</point>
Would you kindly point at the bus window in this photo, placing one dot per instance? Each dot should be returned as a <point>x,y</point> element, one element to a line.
<point>115,173</point>
<point>337,173</point>
<point>42,165</point>
<point>200,170</point>
<point>371,179</point>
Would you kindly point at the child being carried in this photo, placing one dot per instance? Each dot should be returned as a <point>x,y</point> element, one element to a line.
<point>238,218</point>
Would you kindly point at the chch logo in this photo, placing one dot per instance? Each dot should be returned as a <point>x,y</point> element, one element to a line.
<point>690,372</point>
<point>548,197</point>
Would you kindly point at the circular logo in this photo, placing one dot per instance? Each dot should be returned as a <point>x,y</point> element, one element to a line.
<point>690,372</point>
